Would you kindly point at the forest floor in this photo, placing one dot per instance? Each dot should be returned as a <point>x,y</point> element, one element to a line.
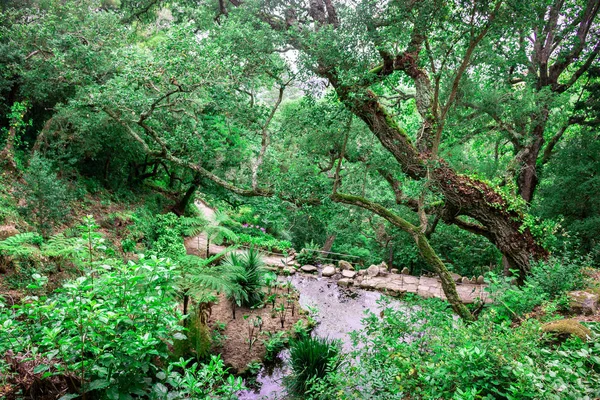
<point>14,277</point>
<point>235,348</point>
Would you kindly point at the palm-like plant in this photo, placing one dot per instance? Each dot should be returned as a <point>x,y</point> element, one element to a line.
<point>251,269</point>
<point>217,232</point>
<point>199,281</point>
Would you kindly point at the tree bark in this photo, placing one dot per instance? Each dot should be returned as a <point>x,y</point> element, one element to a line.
<point>179,208</point>
<point>7,156</point>
<point>329,242</point>
<point>462,195</point>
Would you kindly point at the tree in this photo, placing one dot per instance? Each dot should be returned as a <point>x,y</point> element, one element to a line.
<point>437,75</point>
<point>443,62</point>
<point>217,232</point>
<point>47,196</point>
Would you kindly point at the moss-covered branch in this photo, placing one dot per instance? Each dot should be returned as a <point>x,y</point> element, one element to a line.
<point>427,252</point>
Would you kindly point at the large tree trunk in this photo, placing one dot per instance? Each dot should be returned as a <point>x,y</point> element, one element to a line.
<point>182,204</point>
<point>7,156</point>
<point>329,242</point>
<point>462,195</point>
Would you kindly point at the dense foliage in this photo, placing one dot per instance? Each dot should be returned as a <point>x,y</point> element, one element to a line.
<point>108,332</point>
<point>440,137</point>
<point>422,352</point>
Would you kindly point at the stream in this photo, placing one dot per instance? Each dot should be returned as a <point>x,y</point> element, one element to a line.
<point>340,311</point>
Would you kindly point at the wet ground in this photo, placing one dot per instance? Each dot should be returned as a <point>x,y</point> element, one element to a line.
<point>338,312</point>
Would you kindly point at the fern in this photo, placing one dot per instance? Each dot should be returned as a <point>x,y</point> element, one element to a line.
<point>20,245</point>
<point>61,246</point>
<point>202,280</point>
<point>219,233</point>
<point>192,226</point>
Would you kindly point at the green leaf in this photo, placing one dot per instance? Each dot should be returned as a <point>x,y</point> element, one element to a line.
<point>98,384</point>
<point>160,389</point>
<point>40,368</point>
<point>69,396</point>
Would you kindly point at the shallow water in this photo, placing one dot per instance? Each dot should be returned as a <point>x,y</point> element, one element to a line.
<point>340,311</point>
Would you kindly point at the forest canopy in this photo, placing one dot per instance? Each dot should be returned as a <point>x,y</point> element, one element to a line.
<point>442,137</point>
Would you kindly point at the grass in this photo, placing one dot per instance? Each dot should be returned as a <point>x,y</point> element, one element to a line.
<point>311,358</point>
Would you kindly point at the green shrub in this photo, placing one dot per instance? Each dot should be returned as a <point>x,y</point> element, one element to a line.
<point>250,278</point>
<point>274,343</point>
<point>512,301</point>
<point>161,233</point>
<point>47,197</point>
<point>557,276</point>
<point>128,245</point>
<point>197,381</point>
<point>311,359</point>
<point>106,328</point>
<point>308,255</point>
<point>425,353</point>
<point>266,242</point>
<point>302,329</point>
<point>548,281</point>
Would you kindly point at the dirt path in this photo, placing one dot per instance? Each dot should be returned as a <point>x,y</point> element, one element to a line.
<point>197,245</point>
<point>391,283</point>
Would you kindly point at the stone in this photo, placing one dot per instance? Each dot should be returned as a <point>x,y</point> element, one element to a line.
<point>328,270</point>
<point>289,271</point>
<point>348,274</point>
<point>361,272</point>
<point>310,269</point>
<point>584,302</point>
<point>365,284</point>
<point>465,280</point>
<point>405,271</point>
<point>480,280</point>
<point>373,270</point>
<point>394,270</point>
<point>457,278</point>
<point>345,265</point>
<point>7,231</point>
<point>345,282</point>
<point>567,327</point>
<point>473,280</point>
<point>358,280</point>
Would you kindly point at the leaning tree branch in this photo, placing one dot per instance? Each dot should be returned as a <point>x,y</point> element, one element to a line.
<point>427,252</point>
<point>166,154</point>
<point>582,70</point>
